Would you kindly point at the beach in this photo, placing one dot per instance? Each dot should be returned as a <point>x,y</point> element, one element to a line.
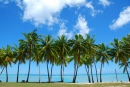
<point>64,85</point>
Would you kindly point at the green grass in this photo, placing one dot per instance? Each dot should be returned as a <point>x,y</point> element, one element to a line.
<point>64,85</point>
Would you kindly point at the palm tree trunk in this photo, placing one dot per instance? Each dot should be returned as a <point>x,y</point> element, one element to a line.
<point>6,74</point>
<point>39,73</point>
<point>51,72</point>
<point>28,70</point>
<point>128,74</point>
<point>76,74</point>
<point>96,70</point>
<point>74,71</point>
<point>61,72</point>
<point>92,75</point>
<point>18,72</point>
<point>101,73</point>
<point>87,73</point>
<point>2,70</point>
<point>116,75</point>
<point>48,72</point>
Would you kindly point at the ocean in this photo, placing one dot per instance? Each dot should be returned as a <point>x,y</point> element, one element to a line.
<point>81,78</point>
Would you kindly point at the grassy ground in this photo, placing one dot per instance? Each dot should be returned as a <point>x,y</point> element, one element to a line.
<point>64,85</point>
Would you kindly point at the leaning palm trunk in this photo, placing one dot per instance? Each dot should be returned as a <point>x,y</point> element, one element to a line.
<point>6,74</point>
<point>75,73</point>
<point>51,72</point>
<point>96,70</point>
<point>28,70</point>
<point>18,72</point>
<point>89,74</point>
<point>128,74</point>
<point>92,74</point>
<point>101,72</point>
<point>48,71</point>
<point>87,71</point>
<point>74,70</point>
<point>2,70</point>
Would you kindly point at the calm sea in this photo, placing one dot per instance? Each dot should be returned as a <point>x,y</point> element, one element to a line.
<point>82,78</point>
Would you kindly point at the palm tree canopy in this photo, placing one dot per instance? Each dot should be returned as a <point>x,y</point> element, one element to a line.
<point>102,53</point>
<point>48,50</point>
<point>62,49</point>
<point>77,47</point>
<point>119,51</point>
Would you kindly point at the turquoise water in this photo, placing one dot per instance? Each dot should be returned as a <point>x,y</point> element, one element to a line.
<point>82,78</point>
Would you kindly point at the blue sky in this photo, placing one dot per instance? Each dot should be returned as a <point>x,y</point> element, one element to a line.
<point>107,19</point>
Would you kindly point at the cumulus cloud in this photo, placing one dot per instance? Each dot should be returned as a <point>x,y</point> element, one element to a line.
<point>48,11</point>
<point>19,4</point>
<point>63,31</point>
<point>104,2</point>
<point>82,26</point>
<point>93,11</point>
<point>123,19</point>
<point>45,11</point>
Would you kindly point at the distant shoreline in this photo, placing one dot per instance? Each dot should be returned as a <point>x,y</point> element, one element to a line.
<point>67,74</point>
<point>81,78</point>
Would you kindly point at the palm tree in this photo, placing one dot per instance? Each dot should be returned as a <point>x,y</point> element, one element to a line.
<point>19,56</point>
<point>102,56</point>
<point>77,50</point>
<point>1,61</point>
<point>49,53</point>
<point>91,51</point>
<point>31,40</point>
<point>37,57</point>
<point>62,49</point>
<point>125,65</point>
<point>8,56</point>
<point>87,61</point>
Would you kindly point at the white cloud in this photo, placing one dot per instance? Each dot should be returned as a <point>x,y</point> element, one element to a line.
<point>104,2</point>
<point>82,26</point>
<point>123,19</point>
<point>63,31</point>
<point>45,11</point>
<point>19,4</point>
<point>48,11</point>
<point>93,11</point>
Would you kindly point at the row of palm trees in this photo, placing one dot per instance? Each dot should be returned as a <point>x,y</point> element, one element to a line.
<point>60,52</point>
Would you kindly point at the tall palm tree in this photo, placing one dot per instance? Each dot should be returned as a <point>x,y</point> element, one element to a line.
<point>20,56</point>
<point>125,65</point>
<point>77,50</point>
<point>49,53</point>
<point>102,56</point>
<point>87,61</point>
<point>37,58</point>
<point>31,40</point>
<point>1,61</point>
<point>91,51</point>
<point>8,56</point>
<point>62,49</point>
